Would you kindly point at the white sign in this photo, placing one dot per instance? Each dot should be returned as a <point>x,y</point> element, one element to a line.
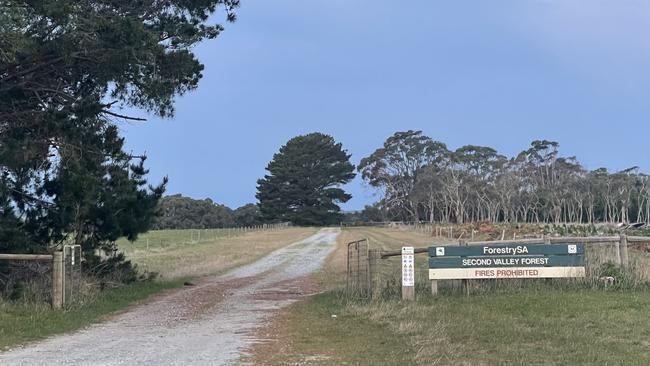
<point>505,272</point>
<point>408,267</point>
<point>573,249</point>
<point>440,251</point>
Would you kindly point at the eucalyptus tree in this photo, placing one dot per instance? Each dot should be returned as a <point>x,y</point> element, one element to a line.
<point>480,165</point>
<point>427,191</point>
<point>512,196</point>
<point>643,198</point>
<point>396,166</point>
<point>476,183</point>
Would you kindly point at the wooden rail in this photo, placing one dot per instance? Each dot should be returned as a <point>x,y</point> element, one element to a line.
<point>638,239</point>
<point>57,272</point>
<point>27,257</point>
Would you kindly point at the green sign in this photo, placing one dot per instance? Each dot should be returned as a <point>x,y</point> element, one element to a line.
<point>506,249</point>
<point>508,261</point>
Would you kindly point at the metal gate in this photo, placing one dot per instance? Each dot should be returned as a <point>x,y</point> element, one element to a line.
<point>358,273</point>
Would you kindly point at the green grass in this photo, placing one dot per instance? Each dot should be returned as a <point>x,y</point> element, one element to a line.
<point>502,323</point>
<point>20,323</point>
<point>311,335</point>
<point>550,327</point>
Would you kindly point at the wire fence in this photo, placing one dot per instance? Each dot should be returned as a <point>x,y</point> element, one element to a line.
<point>164,238</point>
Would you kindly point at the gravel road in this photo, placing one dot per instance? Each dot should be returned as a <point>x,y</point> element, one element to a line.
<point>207,324</point>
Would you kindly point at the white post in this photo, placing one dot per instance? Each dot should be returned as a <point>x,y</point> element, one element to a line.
<point>408,273</point>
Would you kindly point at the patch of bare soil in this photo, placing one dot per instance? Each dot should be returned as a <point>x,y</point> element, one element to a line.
<point>274,338</point>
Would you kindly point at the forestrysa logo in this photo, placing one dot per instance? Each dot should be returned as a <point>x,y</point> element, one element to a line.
<point>519,249</point>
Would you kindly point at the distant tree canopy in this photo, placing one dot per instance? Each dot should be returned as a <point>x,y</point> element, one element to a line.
<point>179,212</point>
<point>369,214</point>
<point>303,184</point>
<point>422,179</point>
<point>66,67</point>
<point>248,215</point>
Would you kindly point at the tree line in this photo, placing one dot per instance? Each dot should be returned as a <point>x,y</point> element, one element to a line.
<point>179,212</point>
<point>422,180</point>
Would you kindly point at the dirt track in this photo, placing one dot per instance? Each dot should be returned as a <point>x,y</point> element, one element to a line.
<point>207,324</point>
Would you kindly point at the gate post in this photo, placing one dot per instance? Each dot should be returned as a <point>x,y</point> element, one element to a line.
<point>57,280</point>
<point>617,247</point>
<point>464,283</point>
<point>434,287</point>
<point>373,261</point>
<point>624,257</point>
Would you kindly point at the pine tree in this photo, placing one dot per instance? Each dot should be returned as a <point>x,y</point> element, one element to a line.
<point>303,184</point>
<point>67,67</point>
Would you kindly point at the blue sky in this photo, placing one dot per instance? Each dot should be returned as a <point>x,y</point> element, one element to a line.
<point>497,73</point>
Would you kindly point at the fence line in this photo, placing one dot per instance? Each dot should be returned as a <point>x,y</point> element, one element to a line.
<point>64,264</point>
<point>621,257</point>
<point>26,257</point>
<point>194,236</point>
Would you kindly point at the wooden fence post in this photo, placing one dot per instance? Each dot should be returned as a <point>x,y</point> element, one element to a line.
<point>464,283</point>
<point>57,280</point>
<point>623,250</point>
<point>617,246</point>
<point>434,287</point>
<point>373,259</point>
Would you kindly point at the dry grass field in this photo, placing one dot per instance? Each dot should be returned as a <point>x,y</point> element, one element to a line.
<point>173,253</point>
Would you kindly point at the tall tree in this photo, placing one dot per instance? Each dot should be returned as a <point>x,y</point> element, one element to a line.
<point>395,167</point>
<point>475,183</point>
<point>303,184</point>
<point>66,68</point>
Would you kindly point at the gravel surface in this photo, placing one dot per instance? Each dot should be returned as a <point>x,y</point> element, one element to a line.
<point>207,324</point>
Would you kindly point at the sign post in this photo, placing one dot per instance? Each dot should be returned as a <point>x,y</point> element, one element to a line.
<point>408,273</point>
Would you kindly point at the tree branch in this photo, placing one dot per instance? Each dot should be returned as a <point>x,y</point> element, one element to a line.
<point>123,116</point>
